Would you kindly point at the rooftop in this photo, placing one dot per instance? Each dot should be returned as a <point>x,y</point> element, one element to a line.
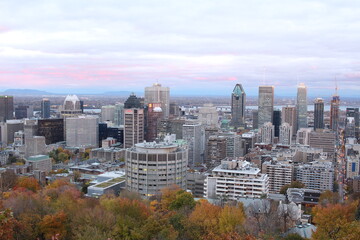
<point>110,182</point>
<point>38,158</point>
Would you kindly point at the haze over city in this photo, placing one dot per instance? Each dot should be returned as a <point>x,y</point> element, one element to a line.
<point>193,47</point>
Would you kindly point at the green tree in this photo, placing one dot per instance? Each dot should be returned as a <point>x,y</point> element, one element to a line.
<point>294,184</point>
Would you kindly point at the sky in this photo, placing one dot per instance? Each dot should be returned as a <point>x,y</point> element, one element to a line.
<point>195,47</point>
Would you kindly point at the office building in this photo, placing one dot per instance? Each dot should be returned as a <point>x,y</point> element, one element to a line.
<point>35,146</point>
<point>194,135</point>
<point>108,113</point>
<point>45,108</point>
<point>301,106</point>
<point>9,128</point>
<point>40,162</point>
<point>285,134</point>
<point>279,173</point>
<point>238,102</point>
<point>266,105</point>
<point>72,107</point>
<point>133,121</point>
<point>158,94</point>
<point>151,167</point>
<point>303,136</point>
<point>30,128</point>
<point>6,108</point>
<point>208,115</point>
<point>117,133</point>
<point>324,140</point>
<point>195,183</point>
<point>174,110</point>
<point>352,123</point>
<point>334,112</point>
<point>318,113</point>
<point>316,175</point>
<point>215,149</point>
<point>154,115</point>
<point>255,119</point>
<point>119,114</point>
<point>266,133</point>
<point>51,129</point>
<point>234,179</point>
<point>288,115</point>
<point>82,131</point>
<point>276,122</point>
<point>171,126</point>
<point>24,111</point>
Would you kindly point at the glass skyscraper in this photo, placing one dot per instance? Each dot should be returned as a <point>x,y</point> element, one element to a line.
<point>266,105</point>
<point>238,101</point>
<point>301,106</point>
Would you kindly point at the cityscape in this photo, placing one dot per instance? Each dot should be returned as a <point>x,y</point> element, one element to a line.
<point>179,120</point>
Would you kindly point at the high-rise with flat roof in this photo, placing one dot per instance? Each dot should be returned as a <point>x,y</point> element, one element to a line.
<point>288,115</point>
<point>158,94</point>
<point>6,108</point>
<point>266,105</point>
<point>352,122</point>
<point>45,108</point>
<point>318,113</point>
<point>82,131</point>
<point>238,101</point>
<point>193,134</point>
<point>301,106</point>
<point>133,121</point>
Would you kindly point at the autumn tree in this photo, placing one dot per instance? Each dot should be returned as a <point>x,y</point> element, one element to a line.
<point>28,183</point>
<point>336,221</point>
<point>54,225</point>
<point>231,218</point>
<point>8,180</point>
<point>329,197</point>
<point>7,225</point>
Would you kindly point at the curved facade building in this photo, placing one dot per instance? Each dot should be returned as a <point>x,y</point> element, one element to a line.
<point>152,166</point>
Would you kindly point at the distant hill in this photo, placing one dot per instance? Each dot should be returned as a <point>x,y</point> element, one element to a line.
<point>26,92</point>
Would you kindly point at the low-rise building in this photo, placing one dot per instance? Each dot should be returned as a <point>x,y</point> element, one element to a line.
<point>40,162</point>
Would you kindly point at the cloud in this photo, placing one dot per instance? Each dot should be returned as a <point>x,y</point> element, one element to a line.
<point>129,44</point>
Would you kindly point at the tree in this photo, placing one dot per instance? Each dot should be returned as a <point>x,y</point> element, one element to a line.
<point>335,221</point>
<point>7,225</point>
<point>294,184</point>
<point>329,197</point>
<point>8,180</point>
<point>231,218</point>
<point>293,236</point>
<point>28,183</point>
<point>182,199</point>
<point>53,226</point>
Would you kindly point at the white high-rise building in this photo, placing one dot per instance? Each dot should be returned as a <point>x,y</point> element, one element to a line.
<point>82,131</point>
<point>71,107</point>
<point>316,175</point>
<point>233,179</point>
<point>266,133</point>
<point>194,135</point>
<point>285,134</point>
<point>158,94</point>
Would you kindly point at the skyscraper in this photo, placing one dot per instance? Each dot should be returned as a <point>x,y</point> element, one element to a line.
<point>71,107</point>
<point>266,133</point>
<point>193,134</point>
<point>266,105</point>
<point>153,116</point>
<point>277,122</point>
<point>158,94</point>
<point>108,113</point>
<point>334,112</point>
<point>301,106</point>
<point>238,101</point>
<point>288,115</point>
<point>45,108</point>
<point>119,114</point>
<point>352,122</point>
<point>133,122</point>
<point>285,134</point>
<point>82,131</point>
<point>6,108</point>
<point>318,113</point>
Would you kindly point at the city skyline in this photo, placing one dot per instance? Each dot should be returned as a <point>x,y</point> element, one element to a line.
<point>89,47</point>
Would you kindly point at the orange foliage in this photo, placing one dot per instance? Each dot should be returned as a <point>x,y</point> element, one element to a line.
<point>54,226</point>
<point>28,183</point>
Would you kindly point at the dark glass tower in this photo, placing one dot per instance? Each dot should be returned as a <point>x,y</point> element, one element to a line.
<point>277,122</point>
<point>45,108</point>
<point>352,122</point>
<point>334,112</point>
<point>238,101</point>
<point>318,113</point>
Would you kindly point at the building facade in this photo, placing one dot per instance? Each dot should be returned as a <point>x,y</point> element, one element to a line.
<point>6,108</point>
<point>45,108</point>
<point>238,102</point>
<point>193,134</point>
<point>266,105</point>
<point>301,106</point>
<point>82,131</point>
<point>319,113</point>
<point>151,167</point>
<point>158,94</point>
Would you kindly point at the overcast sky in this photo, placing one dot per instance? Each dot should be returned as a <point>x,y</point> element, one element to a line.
<point>192,46</point>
